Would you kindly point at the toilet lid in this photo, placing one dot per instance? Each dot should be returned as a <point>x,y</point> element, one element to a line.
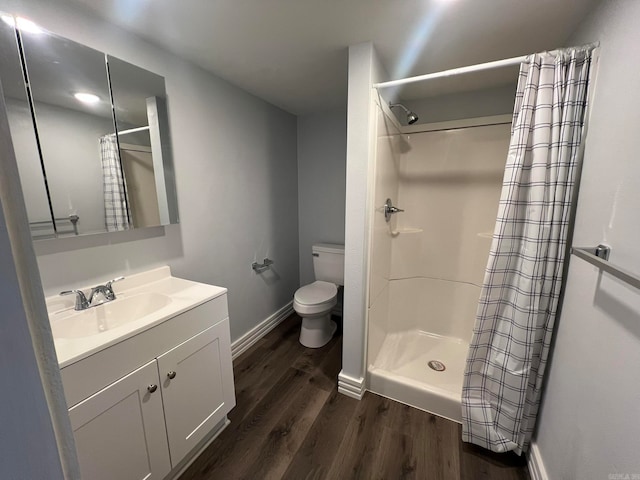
<point>316,292</point>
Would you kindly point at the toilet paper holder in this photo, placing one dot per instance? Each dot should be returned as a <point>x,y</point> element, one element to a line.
<point>261,267</point>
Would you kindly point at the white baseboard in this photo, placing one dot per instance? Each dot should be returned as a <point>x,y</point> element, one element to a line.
<point>242,344</point>
<point>534,462</point>
<point>350,386</point>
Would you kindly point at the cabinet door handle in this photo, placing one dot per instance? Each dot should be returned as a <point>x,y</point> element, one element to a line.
<point>152,388</point>
<point>171,375</point>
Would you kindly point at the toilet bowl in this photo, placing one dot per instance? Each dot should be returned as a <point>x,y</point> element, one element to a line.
<point>315,301</point>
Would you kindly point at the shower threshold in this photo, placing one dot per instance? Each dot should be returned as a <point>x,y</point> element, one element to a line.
<point>401,371</point>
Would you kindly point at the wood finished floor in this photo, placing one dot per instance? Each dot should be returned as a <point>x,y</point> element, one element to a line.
<point>290,422</point>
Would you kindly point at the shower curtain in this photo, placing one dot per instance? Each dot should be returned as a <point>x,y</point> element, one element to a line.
<point>517,308</point>
<point>116,211</point>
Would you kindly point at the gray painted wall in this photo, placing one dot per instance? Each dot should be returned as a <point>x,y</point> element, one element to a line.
<point>588,425</point>
<point>322,150</point>
<point>28,446</point>
<point>236,174</point>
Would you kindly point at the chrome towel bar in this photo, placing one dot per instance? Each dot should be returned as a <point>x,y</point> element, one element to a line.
<point>588,254</point>
<point>44,228</point>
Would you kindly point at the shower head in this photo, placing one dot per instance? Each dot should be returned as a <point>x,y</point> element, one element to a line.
<point>411,116</point>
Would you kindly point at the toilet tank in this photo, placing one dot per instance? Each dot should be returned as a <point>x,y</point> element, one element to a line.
<point>328,262</point>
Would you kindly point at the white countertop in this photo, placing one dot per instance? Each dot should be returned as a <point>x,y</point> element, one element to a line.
<point>184,295</point>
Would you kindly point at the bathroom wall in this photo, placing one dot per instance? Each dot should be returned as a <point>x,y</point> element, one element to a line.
<point>236,174</point>
<point>588,425</point>
<point>322,151</point>
<point>28,446</point>
<point>449,187</point>
<point>456,106</point>
<point>364,70</point>
<point>427,263</point>
<point>390,144</point>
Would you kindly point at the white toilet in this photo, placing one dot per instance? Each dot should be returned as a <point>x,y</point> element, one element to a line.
<point>315,301</point>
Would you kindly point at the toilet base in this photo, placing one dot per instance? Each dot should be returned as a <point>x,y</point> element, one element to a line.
<point>316,332</point>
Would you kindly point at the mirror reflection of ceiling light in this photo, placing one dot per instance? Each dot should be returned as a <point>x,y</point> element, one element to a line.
<point>89,98</point>
<point>8,19</point>
<point>23,24</point>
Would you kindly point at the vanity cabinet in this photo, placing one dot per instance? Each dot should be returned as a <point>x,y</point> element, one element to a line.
<point>145,424</point>
<point>197,384</point>
<point>119,431</point>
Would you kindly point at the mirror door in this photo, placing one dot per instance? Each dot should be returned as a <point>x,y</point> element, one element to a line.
<point>75,127</point>
<point>30,168</point>
<point>90,132</point>
<point>139,101</point>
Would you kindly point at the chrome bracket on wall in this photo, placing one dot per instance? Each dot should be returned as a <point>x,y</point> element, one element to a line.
<point>598,257</point>
<point>261,267</point>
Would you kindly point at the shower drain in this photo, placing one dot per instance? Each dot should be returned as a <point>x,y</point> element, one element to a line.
<point>436,365</point>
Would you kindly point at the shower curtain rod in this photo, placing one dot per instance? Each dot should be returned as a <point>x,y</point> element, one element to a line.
<point>133,130</point>
<point>454,71</point>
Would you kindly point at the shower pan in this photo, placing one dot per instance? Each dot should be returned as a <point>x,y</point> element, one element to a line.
<point>427,264</point>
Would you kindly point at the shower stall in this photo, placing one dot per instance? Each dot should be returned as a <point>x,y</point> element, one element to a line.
<point>427,262</point>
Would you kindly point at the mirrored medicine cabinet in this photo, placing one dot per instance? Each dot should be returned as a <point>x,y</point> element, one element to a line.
<point>90,134</point>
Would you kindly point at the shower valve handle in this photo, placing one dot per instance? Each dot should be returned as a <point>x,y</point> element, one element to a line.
<point>389,210</point>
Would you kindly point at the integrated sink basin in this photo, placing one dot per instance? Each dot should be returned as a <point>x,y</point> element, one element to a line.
<point>107,316</point>
<point>142,301</point>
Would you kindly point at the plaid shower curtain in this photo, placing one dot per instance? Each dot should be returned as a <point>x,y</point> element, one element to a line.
<point>519,298</point>
<point>116,211</point>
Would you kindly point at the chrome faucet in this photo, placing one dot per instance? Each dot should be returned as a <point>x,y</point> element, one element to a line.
<point>106,290</point>
<point>81,301</point>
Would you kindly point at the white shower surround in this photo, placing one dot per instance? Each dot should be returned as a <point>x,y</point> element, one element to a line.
<point>427,264</point>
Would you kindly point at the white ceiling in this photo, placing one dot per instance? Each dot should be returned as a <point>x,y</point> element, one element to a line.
<point>293,53</point>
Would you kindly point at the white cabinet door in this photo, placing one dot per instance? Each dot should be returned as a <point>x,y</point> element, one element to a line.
<point>197,387</point>
<point>119,431</point>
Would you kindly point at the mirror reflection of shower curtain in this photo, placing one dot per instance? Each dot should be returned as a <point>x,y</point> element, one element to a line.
<point>523,279</point>
<point>116,209</point>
